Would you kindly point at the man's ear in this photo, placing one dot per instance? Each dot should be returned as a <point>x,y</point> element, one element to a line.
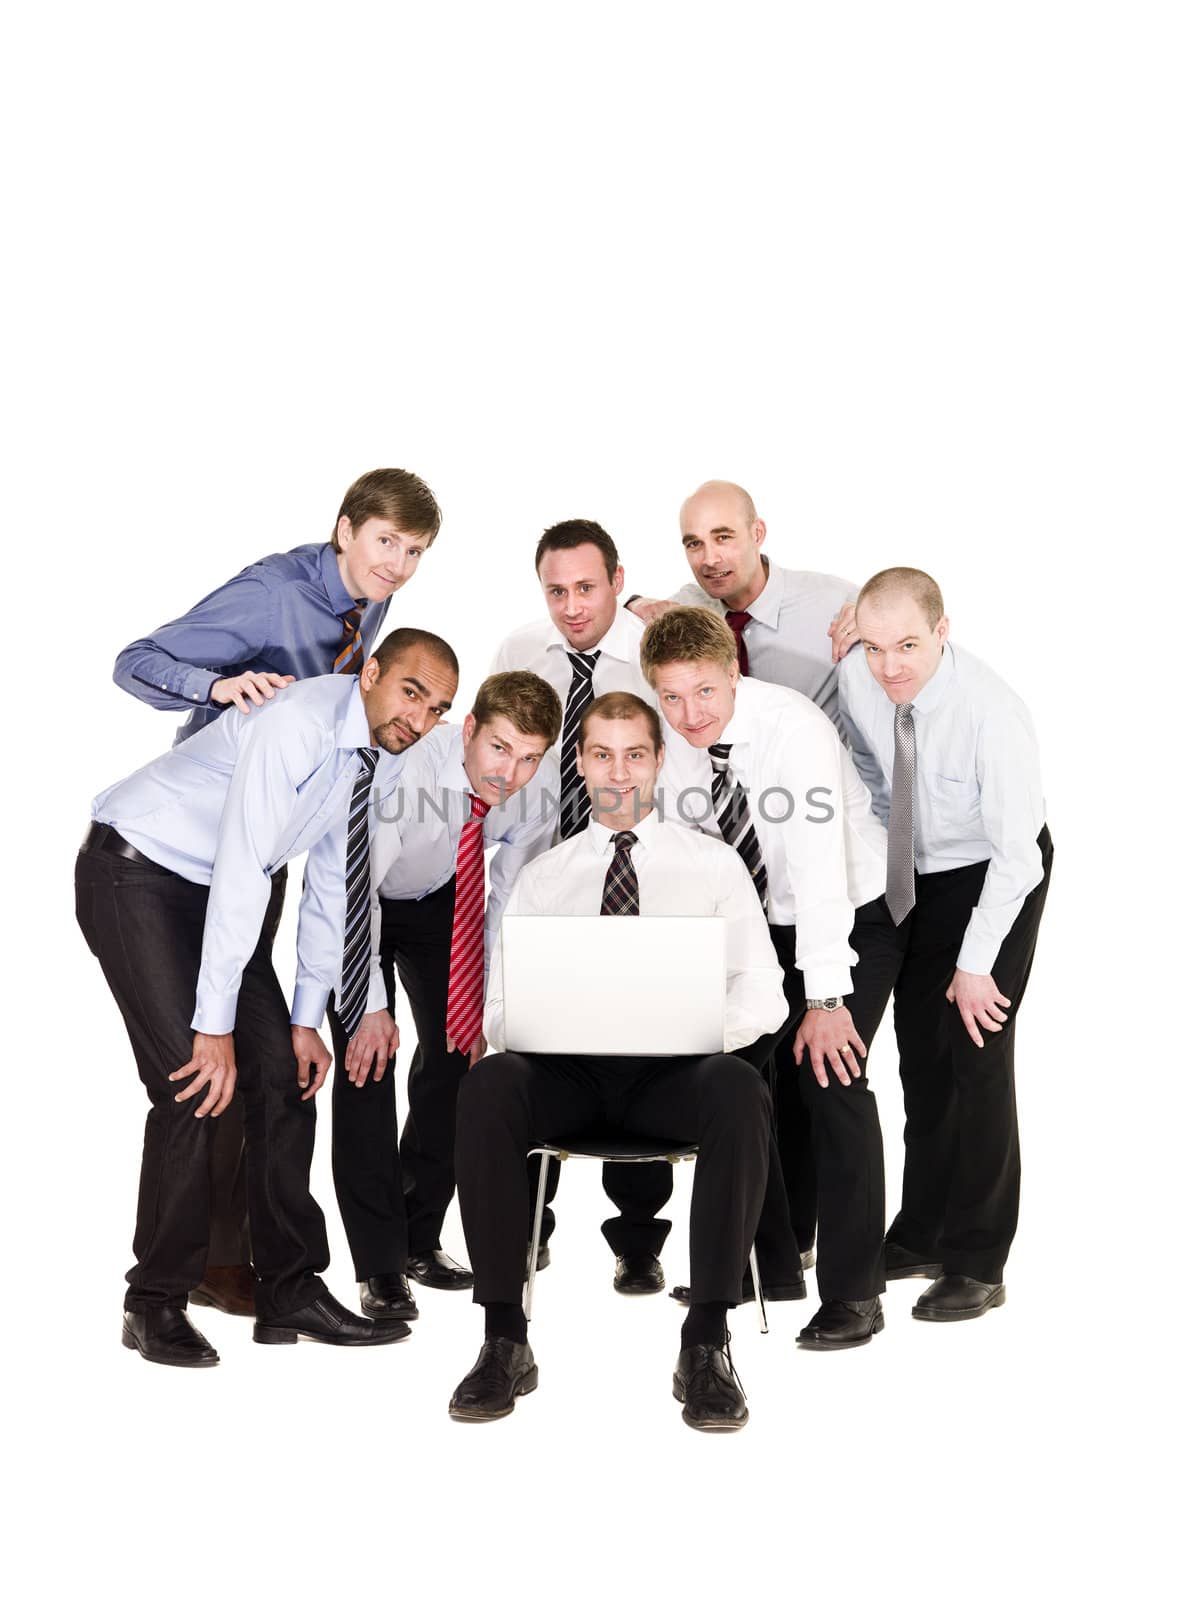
<point>579,759</point>
<point>345,532</point>
<point>468,729</point>
<point>758,531</point>
<point>942,629</point>
<point>618,581</point>
<point>370,674</point>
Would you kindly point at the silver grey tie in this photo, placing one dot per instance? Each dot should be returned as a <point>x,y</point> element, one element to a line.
<point>901,894</point>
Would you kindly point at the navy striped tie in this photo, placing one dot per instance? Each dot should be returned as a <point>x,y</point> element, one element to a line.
<point>356,953</point>
<point>574,807</point>
<point>733,818</point>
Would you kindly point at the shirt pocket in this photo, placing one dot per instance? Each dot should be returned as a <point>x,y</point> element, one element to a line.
<point>954,803</point>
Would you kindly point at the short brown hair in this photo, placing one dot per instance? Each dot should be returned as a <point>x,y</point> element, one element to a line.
<point>390,492</point>
<point>618,706</point>
<point>528,702</point>
<point>910,581</point>
<point>687,633</point>
<point>570,535</point>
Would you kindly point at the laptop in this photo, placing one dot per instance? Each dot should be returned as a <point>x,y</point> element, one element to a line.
<point>614,986</point>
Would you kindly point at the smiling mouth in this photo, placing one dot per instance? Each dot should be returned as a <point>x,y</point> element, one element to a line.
<point>717,577</point>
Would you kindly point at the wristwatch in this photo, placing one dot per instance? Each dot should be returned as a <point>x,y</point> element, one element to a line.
<point>824,1005</point>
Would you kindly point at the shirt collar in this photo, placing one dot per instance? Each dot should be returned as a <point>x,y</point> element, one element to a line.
<point>737,729</point>
<point>351,731</point>
<point>339,597</point>
<point>621,642</point>
<point>600,835</point>
<point>766,608</point>
<point>935,691</point>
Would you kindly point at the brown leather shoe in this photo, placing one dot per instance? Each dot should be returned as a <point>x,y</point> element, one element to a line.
<point>229,1289</point>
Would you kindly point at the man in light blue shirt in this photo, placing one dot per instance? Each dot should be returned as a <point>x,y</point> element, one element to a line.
<point>484,786</point>
<point>312,610</point>
<point>948,753</point>
<point>172,884</point>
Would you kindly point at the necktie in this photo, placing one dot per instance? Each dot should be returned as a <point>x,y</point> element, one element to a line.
<point>620,898</point>
<point>574,807</point>
<point>737,620</point>
<point>356,951</point>
<point>901,894</point>
<point>734,820</point>
<point>464,1001</point>
<point>350,655</point>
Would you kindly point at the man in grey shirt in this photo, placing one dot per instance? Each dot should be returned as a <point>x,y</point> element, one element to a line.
<point>779,616</point>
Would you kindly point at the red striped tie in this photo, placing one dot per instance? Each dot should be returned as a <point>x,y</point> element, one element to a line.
<point>464,1003</point>
<point>350,655</point>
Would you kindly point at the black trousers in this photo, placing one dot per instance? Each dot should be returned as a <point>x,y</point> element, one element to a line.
<point>829,1139</point>
<point>962,1158</point>
<point>393,1193</point>
<point>145,926</point>
<point>228,1214</point>
<point>510,1102</point>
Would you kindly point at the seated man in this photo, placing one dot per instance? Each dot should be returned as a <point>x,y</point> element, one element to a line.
<point>172,884</point>
<point>626,861</point>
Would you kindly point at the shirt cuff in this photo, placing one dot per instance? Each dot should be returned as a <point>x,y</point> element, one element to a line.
<point>978,954</point>
<point>824,983</point>
<point>308,1005</point>
<point>376,992</point>
<point>214,1013</point>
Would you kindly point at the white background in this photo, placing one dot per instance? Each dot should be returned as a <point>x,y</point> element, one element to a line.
<point>923,277</point>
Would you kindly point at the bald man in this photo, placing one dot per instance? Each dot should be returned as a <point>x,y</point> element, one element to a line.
<point>949,754</point>
<point>779,616</point>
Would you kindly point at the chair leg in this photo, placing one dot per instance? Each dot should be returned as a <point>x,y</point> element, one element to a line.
<point>758,1291</point>
<point>535,1241</point>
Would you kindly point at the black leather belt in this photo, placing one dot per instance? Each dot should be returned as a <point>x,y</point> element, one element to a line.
<point>101,837</point>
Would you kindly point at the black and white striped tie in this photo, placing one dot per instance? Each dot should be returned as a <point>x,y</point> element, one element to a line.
<point>356,952</point>
<point>575,806</point>
<point>901,892</point>
<point>732,810</point>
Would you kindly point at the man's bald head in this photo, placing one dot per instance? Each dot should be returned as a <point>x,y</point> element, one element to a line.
<point>722,536</point>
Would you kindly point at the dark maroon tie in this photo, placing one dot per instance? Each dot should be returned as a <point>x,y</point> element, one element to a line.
<point>737,620</point>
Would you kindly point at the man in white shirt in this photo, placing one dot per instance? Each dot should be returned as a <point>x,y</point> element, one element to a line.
<point>461,792</point>
<point>780,619</point>
<point>626,862</point>
<point>588,646</point>
<point>774,780</point>
<point>949,753</point>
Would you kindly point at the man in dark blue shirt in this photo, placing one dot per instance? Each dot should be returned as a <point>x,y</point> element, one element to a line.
<point>298,614</point>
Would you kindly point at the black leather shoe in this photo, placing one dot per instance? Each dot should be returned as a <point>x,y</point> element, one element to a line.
<point>543,1257</point>
<point>842,1324</point>
<point>436,1270</point>
<point>639,1274</point>
<point>325,1321</point>
<point>708,1386</point>
<point>228,1289</point>
<point>387,1298</point>
<point>901,1263</point>
<point>165,1335</point>
<point>791,1289</point>
<point>954,1298</point>
<point>503,1371</point>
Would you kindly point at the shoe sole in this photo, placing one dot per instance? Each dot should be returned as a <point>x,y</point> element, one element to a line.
<point>294,1335</point>
<point>712,1425</point>
<point>842,1344</point>
<point>771,1296</point>
<point>922,1269</point>
<point>443,1288</point>
<point>131,1343</point>
<point>936,1314</point>
<point>639,1288</point>
<point>525,1386</point>
<point>199,1297</point>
